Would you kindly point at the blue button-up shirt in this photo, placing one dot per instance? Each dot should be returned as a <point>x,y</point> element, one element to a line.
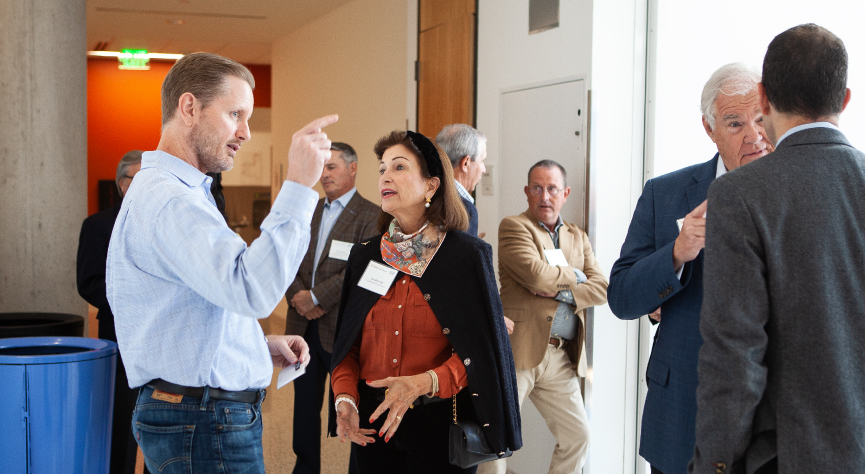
<point>185,289</point>
<point>329,214</point>
<point>464,192</point>
<point>805,126</point>
<point>565,322</point>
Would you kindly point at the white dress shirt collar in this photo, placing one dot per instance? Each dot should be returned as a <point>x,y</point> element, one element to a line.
<point>805,127</point>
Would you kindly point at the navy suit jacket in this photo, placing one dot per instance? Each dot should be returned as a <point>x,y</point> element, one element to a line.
<point>473,217</point>
<point>642,280</point>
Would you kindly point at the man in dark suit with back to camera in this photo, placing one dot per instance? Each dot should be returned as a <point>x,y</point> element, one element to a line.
<point>90,265</point>
<point>660,270</point>
<point>467,150</point>
<point>781,373</point>
<point>341,219</point>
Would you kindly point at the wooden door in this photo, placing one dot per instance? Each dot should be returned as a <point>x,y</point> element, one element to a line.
<point>446,64</point>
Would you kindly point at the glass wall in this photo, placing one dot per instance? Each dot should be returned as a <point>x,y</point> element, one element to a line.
<point>692,39</point>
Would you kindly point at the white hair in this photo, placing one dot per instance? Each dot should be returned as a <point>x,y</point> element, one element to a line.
<point>732,79</point>
<point>459,140</point>
<point>130,159</point>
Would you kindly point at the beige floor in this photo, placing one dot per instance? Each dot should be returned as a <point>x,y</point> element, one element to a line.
<point>278,413</point>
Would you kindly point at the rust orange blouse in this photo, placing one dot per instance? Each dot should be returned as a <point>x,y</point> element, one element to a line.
<point>401,337</point>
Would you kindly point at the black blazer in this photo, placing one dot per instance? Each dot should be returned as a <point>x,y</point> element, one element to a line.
<point>90,266</point>
<point>461,289</point>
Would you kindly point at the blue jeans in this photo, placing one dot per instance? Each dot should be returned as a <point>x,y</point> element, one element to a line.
<point>199,435</point>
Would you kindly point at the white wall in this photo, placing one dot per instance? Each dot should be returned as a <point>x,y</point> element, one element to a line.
<point>356,61</point>
<point>604,42</point>
<point>509,57</point>
<point>351,61</point>
<point>679,139</point>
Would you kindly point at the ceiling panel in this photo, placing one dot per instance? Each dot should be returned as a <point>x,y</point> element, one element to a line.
<point>242,31</point>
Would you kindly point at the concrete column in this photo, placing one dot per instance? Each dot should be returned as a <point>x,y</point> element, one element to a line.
<point>43,153</point>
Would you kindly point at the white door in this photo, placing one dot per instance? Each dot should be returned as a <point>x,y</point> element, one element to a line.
<point>539,123</point>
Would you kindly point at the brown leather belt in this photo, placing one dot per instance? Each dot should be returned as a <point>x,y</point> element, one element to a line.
<point>243,396</point>
<point>558,343</point>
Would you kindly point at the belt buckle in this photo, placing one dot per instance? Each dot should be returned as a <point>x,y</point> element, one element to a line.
<point>559,342</point>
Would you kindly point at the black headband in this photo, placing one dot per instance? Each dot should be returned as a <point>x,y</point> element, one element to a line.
<point>429,152</point>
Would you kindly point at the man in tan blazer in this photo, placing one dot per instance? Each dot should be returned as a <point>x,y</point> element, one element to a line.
<point>341,219</point>
<point>549,276</point>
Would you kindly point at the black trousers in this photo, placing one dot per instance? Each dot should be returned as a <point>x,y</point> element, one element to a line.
<point>123,446</point>
<point>309,394</point>
<point>420,445</point>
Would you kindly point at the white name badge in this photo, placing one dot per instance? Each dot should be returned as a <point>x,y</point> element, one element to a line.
<point>556,258</point>
<point>288,374</point>
<point>339,249</point>
<point>377,278</point>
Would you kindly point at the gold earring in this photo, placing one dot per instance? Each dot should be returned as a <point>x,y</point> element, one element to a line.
<point>427,203</point>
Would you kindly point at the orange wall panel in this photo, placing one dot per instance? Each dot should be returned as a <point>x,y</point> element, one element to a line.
<point>124,113</point>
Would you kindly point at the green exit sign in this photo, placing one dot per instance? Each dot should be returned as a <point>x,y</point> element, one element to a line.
<point>134,59</point>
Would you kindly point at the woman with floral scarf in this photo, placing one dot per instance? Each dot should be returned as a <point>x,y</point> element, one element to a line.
<point>420,328</point>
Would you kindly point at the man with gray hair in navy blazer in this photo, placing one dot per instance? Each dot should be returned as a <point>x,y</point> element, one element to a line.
<point>781,372</point>
<point>467,150</point>
<point>660,270</point>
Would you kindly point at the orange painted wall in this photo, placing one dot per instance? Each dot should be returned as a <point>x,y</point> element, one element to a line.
<point>124,113</point>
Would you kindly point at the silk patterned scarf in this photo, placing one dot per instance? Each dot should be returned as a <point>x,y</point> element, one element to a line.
<point>411,253</point>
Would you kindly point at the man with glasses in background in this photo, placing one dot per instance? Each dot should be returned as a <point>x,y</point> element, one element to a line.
<point>549,276</point>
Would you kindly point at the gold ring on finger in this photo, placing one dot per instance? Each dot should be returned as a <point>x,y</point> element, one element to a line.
<point>398,417</point>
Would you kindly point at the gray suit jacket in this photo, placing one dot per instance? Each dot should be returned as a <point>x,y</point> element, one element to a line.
<point>356,223</point>
<point>783,318</point>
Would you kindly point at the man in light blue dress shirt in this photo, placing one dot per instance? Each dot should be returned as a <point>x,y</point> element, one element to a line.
<point>186,291</point>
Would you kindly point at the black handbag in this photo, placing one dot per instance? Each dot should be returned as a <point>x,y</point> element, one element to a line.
<point>468,444</point>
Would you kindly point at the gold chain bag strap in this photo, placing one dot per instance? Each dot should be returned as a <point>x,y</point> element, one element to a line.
<point>468,444</point>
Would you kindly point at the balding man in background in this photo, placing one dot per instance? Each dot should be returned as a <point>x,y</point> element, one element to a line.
<point>549,278</point>
<point>660,269</point>
<point>467,150</point>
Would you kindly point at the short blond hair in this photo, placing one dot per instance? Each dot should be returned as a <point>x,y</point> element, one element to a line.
<point>204,76</point>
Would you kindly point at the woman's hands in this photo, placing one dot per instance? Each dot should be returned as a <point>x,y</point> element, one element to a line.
<point>401,392</point>
<point>348,423</point>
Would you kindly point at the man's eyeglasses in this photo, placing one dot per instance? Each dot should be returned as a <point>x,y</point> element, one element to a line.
<point>538,190</point>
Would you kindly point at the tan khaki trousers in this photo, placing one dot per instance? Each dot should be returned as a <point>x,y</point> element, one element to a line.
<point>554,389</point>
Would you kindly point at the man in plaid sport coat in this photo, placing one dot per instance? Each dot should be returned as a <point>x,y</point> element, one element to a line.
<point>341,219</point>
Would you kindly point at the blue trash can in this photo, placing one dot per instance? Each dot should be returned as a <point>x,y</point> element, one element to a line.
<point>56,401</point>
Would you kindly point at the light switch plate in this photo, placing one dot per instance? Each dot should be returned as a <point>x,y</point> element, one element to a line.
<point>487,182</point>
